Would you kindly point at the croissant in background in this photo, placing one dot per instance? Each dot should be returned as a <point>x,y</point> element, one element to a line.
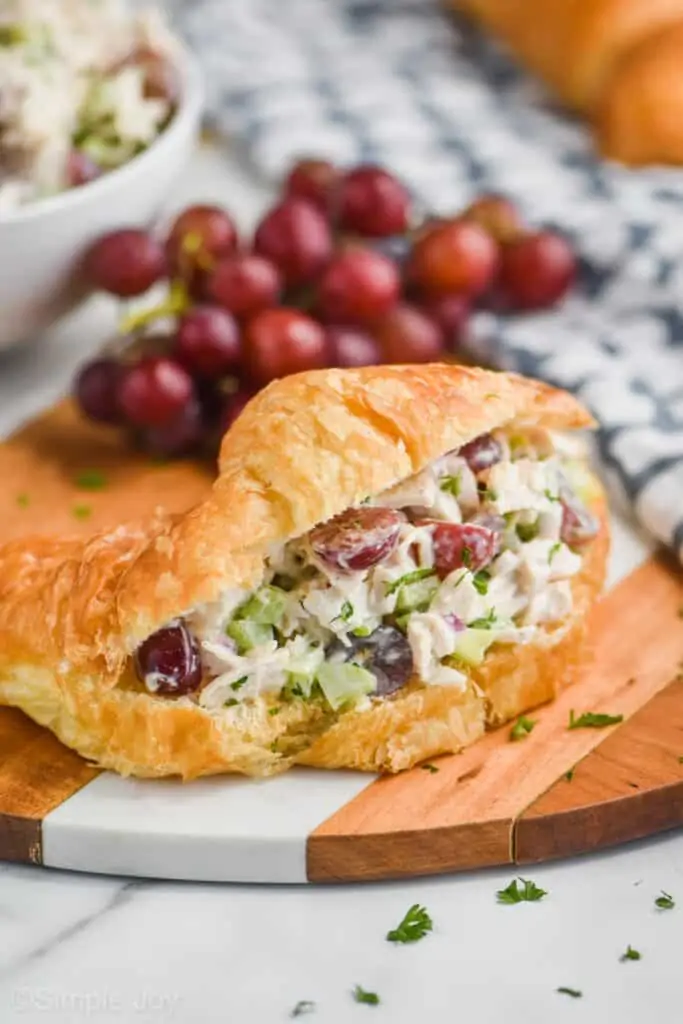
<point>617,62</point>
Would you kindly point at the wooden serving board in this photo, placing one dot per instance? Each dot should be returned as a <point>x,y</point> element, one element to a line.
<point>556,793</point>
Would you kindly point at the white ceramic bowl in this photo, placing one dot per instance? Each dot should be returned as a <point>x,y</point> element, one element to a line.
<point>42,243</point>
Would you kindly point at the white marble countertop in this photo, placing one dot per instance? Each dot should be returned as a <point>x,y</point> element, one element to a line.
<point>80,948</point>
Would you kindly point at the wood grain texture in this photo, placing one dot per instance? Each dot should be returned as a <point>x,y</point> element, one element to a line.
<point>40,466</point>
<point>37,774</point>
<point>474,800</point>
<point>629,787</point>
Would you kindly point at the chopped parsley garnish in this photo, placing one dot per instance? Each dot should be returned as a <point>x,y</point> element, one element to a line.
<point>481,580</point>
<point>431,768</point>
<point>557,546</point>
<point>369,998</point>
<point>591,720</point>
<point>528,892</point>
<point>665,901</point>
<point>413,927</point>
<point>450,484</point>
<point>12,35</point>
<point>302,1007</point>
<point>569,775</point>
<point>275,710</point>
<point>489,495</point>
<point>486,623</point>
<point>466,557</point>
<point>239,683</point>
<point>575,993</point>
<point>81,511</point>
<point>522,727</point>
<point>91,480</point>
<point>527,531</point>
<point>346,611</point>
<point>23,500</point>
<point>410,577</point>
<point>231,702</point>
<point>630,954</point>
<point>550,496</point>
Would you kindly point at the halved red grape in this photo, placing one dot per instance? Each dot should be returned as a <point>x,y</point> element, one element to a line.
<point>452,314</point>
<point>245,284</point>
<point>313,180</point>
<point>407,335</point>
<point>154,391</point>
<point>295,236</point>
<point>358,286</point>
<point>372,202</point>
<point>579,524</point>
<point>458,257</point>
<point>208,341</point>
<point>283,341</point>
<point>536,271</point>
<point>482,452</point>
<point>197,239</point>
<point>182,436</point>
<point>351,346</point>
<point>96,390</point>
<point>386,653</point>
<point>357,539</point>
<point>496,215</point>
<point>458,545</point>
<point>125,263</point>
<point>81,169</point>
<point>169,662</point>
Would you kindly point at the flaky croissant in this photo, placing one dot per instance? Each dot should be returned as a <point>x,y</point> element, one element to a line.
<point>617,62</point>
<point>339,492</point>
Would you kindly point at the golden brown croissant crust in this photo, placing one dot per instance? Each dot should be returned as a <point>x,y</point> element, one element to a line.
<point>619,62</point>
<point>72,611</point>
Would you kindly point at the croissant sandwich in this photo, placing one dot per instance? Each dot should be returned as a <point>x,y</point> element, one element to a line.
<point>618,62</point>
<point>390,560</point>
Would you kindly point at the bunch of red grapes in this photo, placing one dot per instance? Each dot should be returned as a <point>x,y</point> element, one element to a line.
<point>336,274</point>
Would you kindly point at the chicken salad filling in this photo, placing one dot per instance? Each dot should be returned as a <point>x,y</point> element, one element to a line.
<point>416,584</point>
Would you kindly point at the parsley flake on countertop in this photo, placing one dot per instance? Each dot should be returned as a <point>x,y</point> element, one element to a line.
<point>91,480</point>
<point>81,511</point>
<point>575,993</point>
<point>369,998</point>
<point>302,1007</point>
<point>630,954</point>
<point>665,901</point>
<point>522,727</point>
<point>591,720</point>
<point>413,927</point>
<point>569,775</point>
<point>429,768</point>
<point>23,500</point>
<point>529,892</point>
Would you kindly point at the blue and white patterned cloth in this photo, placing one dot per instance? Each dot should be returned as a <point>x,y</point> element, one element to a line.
<point>401,83</point>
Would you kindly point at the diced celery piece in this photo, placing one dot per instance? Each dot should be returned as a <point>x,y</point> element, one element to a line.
<point>345,683</point>
<point>473,644</point>
<point>248,634</point>
<point>417,595</point>
<point>266,606</point>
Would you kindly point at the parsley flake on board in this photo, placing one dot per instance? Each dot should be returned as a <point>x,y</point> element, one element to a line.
<point>630,954</point>
<point>522,727</point>
<point>91,480</point>
<point>529,892</point>
<point>302,1007</point>
<point>591,720</point>
<point>665,901</point>
<point>361,996</point>
<point>429,768</point>
<point>81,511</point>
<point>410,577</point>
<point>450,484</point>
<point>23,500</point>
<point>569,775</point>
<point>413,927</point>
<point>575,993</point>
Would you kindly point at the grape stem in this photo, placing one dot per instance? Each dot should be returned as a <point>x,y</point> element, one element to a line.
<point>176,303</point>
